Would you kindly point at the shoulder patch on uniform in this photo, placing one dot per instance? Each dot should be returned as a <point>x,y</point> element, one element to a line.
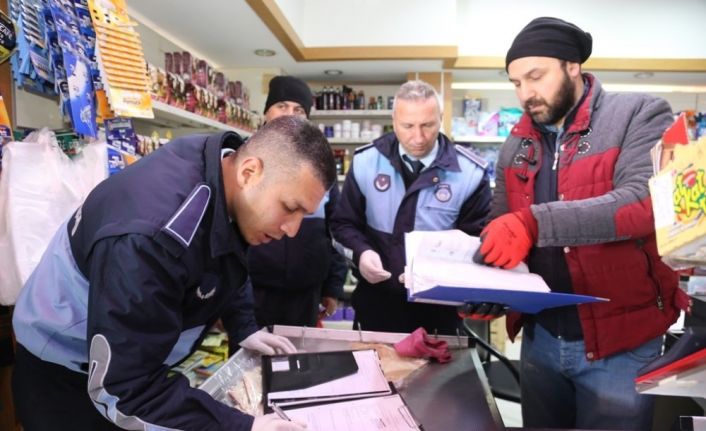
<point>364,147</point>
<point>472,156</point>
<point>183,224</point>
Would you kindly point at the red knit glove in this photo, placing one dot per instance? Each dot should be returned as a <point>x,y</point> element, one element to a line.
<point>507,240</point>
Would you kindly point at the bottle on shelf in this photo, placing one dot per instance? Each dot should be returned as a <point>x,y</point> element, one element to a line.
<point>331,98</point>
<point>360,100</point>
<point>372,103</point>
<point>351,99</point>
<point>337,99</point>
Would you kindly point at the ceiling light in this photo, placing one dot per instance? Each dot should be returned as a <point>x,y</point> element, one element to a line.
<point>333,72</point>
<point>644,75</point>
<point>264,52</point>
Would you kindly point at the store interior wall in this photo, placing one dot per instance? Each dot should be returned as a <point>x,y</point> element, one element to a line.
<point>620,29</point>
<point>36,111</point>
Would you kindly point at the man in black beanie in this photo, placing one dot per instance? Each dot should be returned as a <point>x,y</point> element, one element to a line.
<point>297,280</point>
<point>571,200</point>
<point>288,96</point>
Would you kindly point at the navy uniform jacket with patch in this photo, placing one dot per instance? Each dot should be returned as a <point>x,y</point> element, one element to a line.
<point>129,285</point>
<point>375,209</point>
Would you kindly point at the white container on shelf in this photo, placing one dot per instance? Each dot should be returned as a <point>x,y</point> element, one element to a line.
<point>355,130</point>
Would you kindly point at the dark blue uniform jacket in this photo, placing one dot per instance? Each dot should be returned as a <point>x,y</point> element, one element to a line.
<point>376,209</point>
<point>129,285</point>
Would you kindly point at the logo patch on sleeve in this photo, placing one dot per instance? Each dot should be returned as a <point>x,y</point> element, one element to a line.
<point>184,223</point>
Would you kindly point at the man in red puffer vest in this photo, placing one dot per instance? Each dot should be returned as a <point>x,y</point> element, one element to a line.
<point>572,200</point>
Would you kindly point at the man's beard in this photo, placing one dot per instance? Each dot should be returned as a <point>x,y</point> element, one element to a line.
<point>563,102</point>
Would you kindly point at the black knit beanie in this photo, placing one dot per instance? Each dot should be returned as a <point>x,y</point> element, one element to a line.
<point>551,37</point>
<point>289,88</point>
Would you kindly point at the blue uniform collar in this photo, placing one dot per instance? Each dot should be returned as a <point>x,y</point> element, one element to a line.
<point>445,158</point>
<point>225,236</point>
<point>426,160</point>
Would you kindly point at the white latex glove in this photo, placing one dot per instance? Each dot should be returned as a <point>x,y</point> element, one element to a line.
<point>272,422</point>
<point>268,344</point>
<point>371,269</point>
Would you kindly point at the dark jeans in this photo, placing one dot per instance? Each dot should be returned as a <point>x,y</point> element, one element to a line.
<point>561,389</point>
<point>53,398</point>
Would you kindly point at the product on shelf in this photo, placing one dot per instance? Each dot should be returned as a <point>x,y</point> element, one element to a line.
<point>678,194</point>
<point>5,126</point>
<point>193,85</point>
<point>8,37</point>
<point>31,68</point>
<point>331,98</point>
<point>120,59</point>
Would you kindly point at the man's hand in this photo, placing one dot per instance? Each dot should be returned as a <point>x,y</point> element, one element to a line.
<point>268,344</point>
<point>507,240</point>
<point>330,304</point>
<point>371,269</point>
<point>481,310</point>
<point>272,422</point>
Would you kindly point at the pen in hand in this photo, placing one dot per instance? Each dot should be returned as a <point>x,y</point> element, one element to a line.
<point>280,412</point>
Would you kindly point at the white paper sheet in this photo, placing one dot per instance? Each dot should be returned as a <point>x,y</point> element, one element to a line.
<point>444,258</point>
<point>386,413</point>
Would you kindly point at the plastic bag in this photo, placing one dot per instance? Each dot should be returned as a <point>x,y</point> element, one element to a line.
<point>40,187</point>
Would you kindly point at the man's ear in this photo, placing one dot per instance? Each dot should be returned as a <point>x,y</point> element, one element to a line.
<point>573,69</point>
<point>249,171</point>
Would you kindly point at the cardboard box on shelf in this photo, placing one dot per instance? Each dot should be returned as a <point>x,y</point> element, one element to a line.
<point>679,203</point>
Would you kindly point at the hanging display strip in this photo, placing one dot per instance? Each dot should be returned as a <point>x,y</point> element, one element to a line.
<point>30,65</point>
<point>56,57</point>
<point>120,59</point>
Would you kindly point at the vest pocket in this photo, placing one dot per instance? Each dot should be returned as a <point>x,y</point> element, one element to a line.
<point>433,217</point>
<point>651,276</point>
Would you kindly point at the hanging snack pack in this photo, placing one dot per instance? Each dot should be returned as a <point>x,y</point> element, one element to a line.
<point>8,38</point>
<point>31,67</point>
<point>120,59</point>
<point>76,85</point>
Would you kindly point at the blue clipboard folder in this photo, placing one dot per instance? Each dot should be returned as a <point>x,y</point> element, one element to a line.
<point>517,300</point>
<point>440,270</point>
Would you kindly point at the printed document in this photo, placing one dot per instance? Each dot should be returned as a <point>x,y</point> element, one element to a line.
<point>387,413</point>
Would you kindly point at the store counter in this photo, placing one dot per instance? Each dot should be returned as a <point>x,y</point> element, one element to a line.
<point>441,396</point>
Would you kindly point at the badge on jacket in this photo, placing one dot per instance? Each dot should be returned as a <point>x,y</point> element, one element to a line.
<point>382,182</point>
<point>443,192</point>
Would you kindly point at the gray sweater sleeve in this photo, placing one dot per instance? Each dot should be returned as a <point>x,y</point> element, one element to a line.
<point>633,124</point>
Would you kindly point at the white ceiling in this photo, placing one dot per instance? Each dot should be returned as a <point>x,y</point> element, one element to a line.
<point>226,35</point>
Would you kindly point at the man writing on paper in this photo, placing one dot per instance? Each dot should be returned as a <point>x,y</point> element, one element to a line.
<point>132,281</point>
<point>291,277</point>
<point>572,200</point>
<point>412,179</point>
